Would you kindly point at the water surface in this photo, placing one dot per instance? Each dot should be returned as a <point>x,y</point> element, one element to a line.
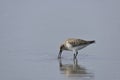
<point>31,32</point>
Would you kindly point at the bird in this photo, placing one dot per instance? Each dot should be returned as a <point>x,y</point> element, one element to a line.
<point>74,45</point>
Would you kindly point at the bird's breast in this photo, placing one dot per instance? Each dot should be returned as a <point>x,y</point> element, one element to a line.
<point>68,46</point>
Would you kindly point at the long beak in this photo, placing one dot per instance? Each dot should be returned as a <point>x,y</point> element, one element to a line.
<point>59,55</point>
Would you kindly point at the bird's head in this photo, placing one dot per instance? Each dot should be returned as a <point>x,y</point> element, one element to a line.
<point>62,47</point>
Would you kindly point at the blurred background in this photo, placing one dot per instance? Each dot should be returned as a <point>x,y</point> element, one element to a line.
<point>32,30</point>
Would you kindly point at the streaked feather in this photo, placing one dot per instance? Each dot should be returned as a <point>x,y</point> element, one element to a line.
<point>76,42</point>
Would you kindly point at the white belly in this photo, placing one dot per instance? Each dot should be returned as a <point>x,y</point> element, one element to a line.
<point>79,47</point>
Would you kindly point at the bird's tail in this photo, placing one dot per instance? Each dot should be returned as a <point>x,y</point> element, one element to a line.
<point>90,42</point>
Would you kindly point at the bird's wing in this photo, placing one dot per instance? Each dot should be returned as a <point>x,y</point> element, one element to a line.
<point>76,42</point>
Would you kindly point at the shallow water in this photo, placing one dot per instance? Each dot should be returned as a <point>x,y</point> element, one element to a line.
<point>32,31</point>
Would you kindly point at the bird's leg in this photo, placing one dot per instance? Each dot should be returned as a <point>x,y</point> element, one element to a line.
<point>76,53</point>
<point>75,62</point>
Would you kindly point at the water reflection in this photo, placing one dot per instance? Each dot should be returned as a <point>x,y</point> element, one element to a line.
<point>75,70</point>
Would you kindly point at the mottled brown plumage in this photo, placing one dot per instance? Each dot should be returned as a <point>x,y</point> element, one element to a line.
<point>76,42</point>
<point>74,45</point>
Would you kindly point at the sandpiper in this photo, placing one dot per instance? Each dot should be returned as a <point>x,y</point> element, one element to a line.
<point>74,45</point>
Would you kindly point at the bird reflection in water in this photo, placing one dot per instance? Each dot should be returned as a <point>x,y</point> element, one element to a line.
<point>75,70</point>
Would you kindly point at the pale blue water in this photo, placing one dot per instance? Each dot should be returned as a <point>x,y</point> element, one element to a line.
<point>31,32</point>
